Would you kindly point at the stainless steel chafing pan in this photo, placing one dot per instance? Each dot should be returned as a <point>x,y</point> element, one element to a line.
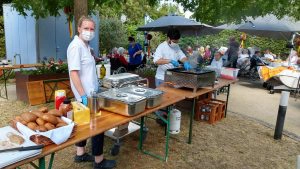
<point>122,103</point>
<point>154,97</point>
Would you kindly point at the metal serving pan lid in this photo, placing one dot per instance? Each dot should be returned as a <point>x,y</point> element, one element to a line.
<point>142,91</point>
<point>121,96</point>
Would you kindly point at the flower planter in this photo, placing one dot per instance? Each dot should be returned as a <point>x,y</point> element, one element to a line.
<point>22,79</point>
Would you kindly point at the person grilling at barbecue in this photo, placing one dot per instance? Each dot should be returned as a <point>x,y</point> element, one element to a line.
<point>168,54</point>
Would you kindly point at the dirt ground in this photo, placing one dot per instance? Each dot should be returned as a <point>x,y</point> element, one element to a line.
<point>236,142</point>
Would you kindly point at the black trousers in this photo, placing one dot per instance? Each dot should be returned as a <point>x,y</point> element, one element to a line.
<point>97,144</point>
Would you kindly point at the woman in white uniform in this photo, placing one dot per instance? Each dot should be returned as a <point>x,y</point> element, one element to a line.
<point>83,78</point>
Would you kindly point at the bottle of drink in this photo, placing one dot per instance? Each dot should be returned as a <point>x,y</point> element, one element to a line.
<point>59,97</point>
<point>102,71</point>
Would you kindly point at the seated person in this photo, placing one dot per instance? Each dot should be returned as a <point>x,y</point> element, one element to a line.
<point>118,59</point>
<point>112,53</point>
<point>243,58</point>
<point>256,60</point>
<point>189,51</point>
<point>121,57</point>
<point>223,51</point>
<point>293,57</point>
<point>217,63</point>
<point>269,55</point>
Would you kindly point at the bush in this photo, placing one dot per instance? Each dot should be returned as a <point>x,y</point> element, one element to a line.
<point>112,34</point>
<point>221,39</point>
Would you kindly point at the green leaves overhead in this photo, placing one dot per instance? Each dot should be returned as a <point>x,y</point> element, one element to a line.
<point>226,11</point>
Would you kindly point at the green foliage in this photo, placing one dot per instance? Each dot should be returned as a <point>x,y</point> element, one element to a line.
<point>224,11</point>
<point>148,70</point>
<point>135,11</point>
<point>221,39</point>
<point>112,34</point>
<point>2,38</point>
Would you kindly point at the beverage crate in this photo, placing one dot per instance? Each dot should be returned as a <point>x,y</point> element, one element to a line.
<point>221,108</point>
<point>206,111</point>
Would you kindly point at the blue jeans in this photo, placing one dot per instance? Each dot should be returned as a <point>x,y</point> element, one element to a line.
<point>158,82</point>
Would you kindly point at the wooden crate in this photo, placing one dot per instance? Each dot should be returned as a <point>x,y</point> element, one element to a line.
<point>36,93</point>
<point>50,87</point>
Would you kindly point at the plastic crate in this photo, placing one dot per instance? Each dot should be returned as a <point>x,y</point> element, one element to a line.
<point>229,73</point>
<point>221,108</point>
<point>206,112</point>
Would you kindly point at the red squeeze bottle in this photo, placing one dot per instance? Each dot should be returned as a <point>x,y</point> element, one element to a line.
<point>60,96</point>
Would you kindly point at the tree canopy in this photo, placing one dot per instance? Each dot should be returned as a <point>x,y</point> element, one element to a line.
<point>207,11</point>
<point>224,11</point>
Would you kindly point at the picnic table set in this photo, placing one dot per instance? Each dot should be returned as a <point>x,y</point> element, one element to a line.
<point>124,98</point>
<point>280,76</point>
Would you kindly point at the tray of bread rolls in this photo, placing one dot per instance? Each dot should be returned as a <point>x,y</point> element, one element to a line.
<point>43,126</point>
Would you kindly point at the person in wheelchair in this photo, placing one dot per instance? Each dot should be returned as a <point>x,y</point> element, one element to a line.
<point>256,60</point>
<point>118,60</point>
<point>243,59</point>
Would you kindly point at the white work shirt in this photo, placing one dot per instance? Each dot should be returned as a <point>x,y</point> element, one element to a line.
<point>81,59</point>
<point>164,51</point>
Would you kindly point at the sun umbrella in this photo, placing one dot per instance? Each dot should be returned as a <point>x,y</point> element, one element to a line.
<point>267,26</point>
<point>186,26</point>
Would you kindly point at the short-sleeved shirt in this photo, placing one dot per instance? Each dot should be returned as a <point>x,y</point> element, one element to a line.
<point>80,58</point>
<point>138,58</point>
<point>164,51</point>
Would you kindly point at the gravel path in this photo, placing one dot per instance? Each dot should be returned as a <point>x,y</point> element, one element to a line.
<point>237,142</point>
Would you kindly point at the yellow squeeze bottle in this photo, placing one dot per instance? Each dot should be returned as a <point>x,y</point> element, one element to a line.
<point>81,113</point>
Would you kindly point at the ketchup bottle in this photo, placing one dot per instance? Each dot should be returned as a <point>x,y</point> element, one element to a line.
<point>60,96</point>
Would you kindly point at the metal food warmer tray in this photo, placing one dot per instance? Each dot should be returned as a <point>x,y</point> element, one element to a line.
<point>122,103</point>
<point>118,79</point>
<point>194,79</point>
<point>154,97</point>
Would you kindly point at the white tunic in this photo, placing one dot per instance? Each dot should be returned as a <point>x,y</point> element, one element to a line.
<point>164,51</point>
<point>80,58</point>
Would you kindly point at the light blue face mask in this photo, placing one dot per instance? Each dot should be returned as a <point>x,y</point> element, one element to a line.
<point>174,46</point>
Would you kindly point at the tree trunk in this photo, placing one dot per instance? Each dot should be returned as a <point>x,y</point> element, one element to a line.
<point>80,9</point>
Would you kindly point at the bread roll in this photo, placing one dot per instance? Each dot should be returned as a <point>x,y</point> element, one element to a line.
<point>41,128</point>
<point>59,120</point>
<point>32,125</point>
<point>40,121</point>
<point>43,109</point>
<point>18,118</point>
<point>49,126</point>
<point>55,112</point>
<point>37,113</point>
<point>50,118</point>
<point>14,138</point>
<point>29,117</point>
